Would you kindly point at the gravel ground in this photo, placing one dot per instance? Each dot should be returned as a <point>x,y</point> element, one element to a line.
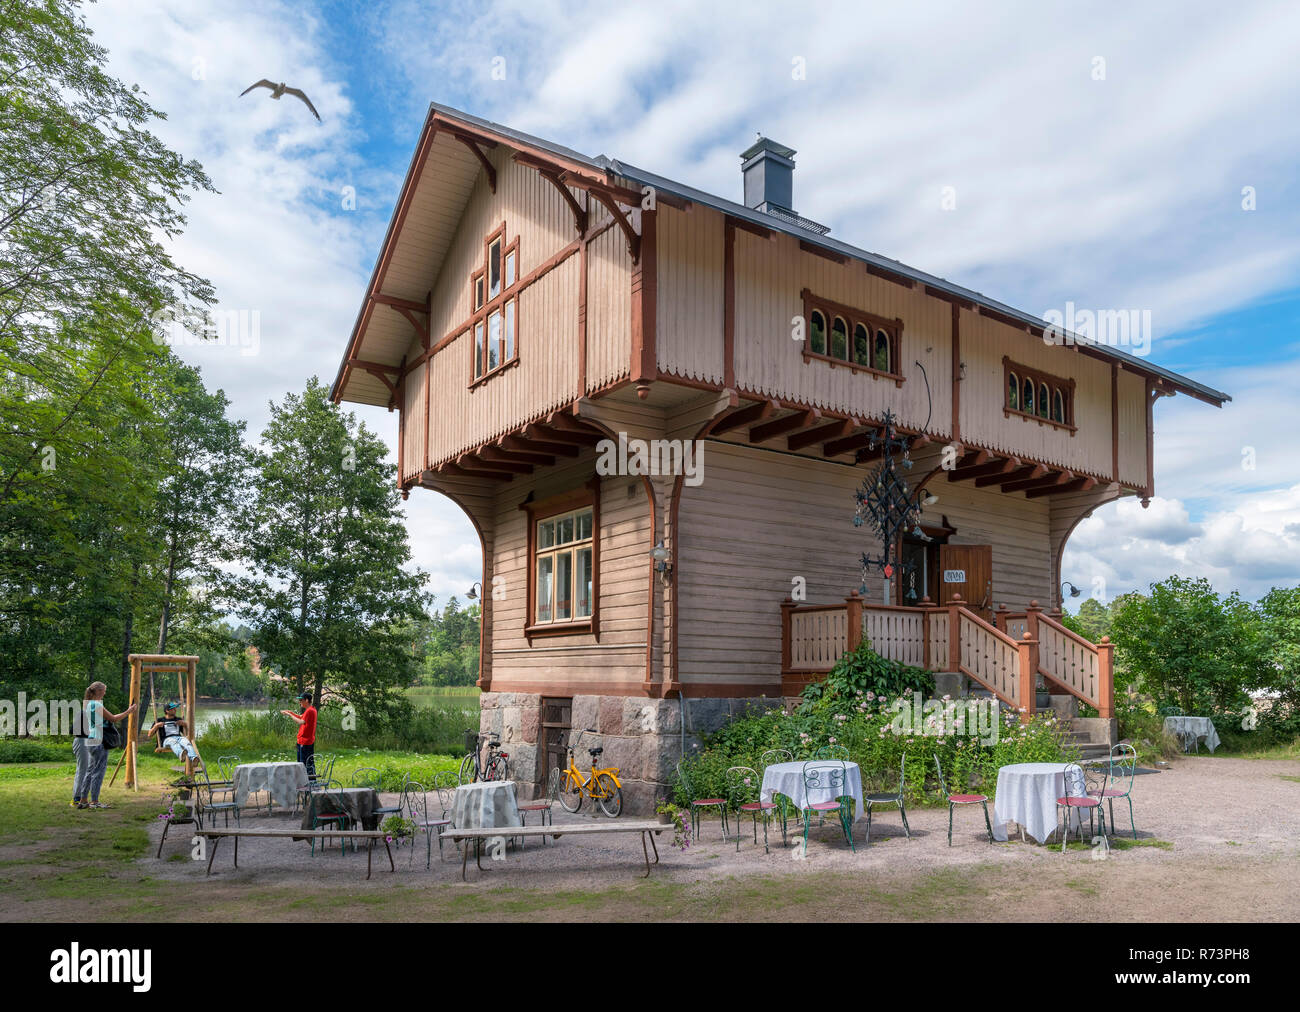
<point>1210,810</point>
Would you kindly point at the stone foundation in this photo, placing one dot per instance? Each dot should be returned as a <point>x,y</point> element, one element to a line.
<point>642,737</point>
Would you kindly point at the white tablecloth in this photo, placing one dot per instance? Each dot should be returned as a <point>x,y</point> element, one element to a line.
<point>485,804</point>
<point>1027,794</point>
<point>281,780</point>
<point>787,779</point>
<point>1188,729</point>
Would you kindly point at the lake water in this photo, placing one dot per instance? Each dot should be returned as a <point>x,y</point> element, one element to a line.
<point>211,712</point>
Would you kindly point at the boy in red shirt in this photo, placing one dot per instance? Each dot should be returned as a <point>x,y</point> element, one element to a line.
<point>306,733</point>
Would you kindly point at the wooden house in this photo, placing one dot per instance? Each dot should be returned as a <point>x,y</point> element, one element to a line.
<point>534,311</point>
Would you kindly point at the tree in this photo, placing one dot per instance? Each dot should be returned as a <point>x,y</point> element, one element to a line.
<point>329,597</point>
<point>1187,645</point>
<point>1279,617</point>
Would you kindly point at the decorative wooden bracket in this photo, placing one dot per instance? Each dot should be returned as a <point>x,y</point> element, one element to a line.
<point>473,144</point>
<point>629,233</point>
<point>408,308</point>
<point>579,212</point>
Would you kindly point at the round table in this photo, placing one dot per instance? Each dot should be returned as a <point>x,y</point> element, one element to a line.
<point>787,779</point>
<point>1026,795</point>
<point>1190,730</point>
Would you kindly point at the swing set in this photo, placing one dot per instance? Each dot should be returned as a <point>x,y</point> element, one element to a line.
<point>184,666</point>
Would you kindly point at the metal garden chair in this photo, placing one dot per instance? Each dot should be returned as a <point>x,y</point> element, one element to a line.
<point>886,798</point>
<point>819,777</point>
<point>744,790</point>
<point>697,805</point>
<point>322,772</point>
<point>962,799</point>
<point>770,758</point>
<point>543,804</point>
<point>209,804</point>
<point>1119,782</point>
<point>319,818</point>
<point>1080,786</point>
<point>416,799</point>
<point>832,752</point>
<point>377,785</point>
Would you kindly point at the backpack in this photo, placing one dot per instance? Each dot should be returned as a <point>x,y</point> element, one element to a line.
<point>112,737</point>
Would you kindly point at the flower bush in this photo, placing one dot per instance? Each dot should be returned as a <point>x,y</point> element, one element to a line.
<point>866,724</point>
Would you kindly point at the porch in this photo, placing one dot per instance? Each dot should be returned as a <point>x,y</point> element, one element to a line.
<point>1007,658</point>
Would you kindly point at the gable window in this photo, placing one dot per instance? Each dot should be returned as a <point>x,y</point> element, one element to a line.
<point>494,288</point>
<point>855,339</point>
<point>1042,397</point>
<point>563,563</point>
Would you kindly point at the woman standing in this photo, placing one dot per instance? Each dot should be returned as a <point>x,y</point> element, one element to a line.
<point>88,747</point>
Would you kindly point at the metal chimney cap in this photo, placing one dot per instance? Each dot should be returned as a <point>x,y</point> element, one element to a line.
<point>765,145</point>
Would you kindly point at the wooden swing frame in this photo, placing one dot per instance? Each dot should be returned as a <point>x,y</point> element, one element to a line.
<point>186,668</point>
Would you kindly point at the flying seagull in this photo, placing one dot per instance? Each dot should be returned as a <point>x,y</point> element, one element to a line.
<point>281,89</point>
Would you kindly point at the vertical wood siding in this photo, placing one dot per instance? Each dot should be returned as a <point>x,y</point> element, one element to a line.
<point>609,306</point>
<point>689,305</point>
<point>1132,429</point>
<point>984,342</point>
<point>771,274</point>
<point>760,519</point>
<point>624,538</point>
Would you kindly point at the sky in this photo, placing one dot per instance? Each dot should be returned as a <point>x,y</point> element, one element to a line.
<point>1111,155</point>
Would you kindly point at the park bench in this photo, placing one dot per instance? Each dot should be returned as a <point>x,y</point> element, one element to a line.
<point>648,831</point>
<point>369,835</point>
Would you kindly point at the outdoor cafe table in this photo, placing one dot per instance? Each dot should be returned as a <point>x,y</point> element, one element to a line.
<point>1188,730</point>
<point>281,780</point>
<point>357,803</point>
<point>485,805</point>
<point>787,779</point>
<point>1026,795</point>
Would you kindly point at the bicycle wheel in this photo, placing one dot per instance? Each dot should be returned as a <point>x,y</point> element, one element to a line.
<point>611,803</point>
<point>570,795</point>
<point>496,769</point>
<point>466,774</point>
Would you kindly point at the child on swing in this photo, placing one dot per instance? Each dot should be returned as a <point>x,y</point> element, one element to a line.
<point>171,731</point>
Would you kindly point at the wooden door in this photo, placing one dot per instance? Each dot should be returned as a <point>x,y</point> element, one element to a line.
<point>967,570</point>
<point>554,736</point>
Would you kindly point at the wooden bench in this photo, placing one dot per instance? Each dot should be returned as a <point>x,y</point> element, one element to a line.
<point>648,831</point>
<point>370,835</point>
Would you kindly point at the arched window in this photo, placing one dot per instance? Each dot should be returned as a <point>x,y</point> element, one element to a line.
<point>1027,396</point>
<point>1043,400</point>
<point>839,339</point>
<point>882,352</point>
<point>1058,407</point>
<point>1013,392</point>
<point>861,345</point>
<point>817,333</point>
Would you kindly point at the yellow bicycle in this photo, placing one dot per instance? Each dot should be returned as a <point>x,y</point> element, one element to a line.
<point>601,784</point>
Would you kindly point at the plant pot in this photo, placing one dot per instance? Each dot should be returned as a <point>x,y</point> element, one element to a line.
<point>665,818</point>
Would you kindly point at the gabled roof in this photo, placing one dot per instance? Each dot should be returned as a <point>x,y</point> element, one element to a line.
<point>364,387</point>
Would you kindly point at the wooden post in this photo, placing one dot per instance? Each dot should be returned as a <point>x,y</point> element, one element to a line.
<point>954,633</point>
<point>787,609</point>
<point>190,685</point>
<point>854,610</point>
<point>926,607</point>
<point>1028,648</point>
<point>1031,632</point>
<point>132,727</point>
<point>1106,678</point>
<point>1000,618</point>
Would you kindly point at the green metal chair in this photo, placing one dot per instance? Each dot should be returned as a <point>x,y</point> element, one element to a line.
<point>1119,782</point>
<point>1082,791</point>
<point>770,758</point>
<point>337,819</point>
<point>962,799</point>
<point>744,789</point>
<point>832,752</point>
<point>886,798</point>
<point>697,805</point>
<point>821,777</point>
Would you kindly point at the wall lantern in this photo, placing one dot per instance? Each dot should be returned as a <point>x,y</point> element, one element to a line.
<point>663,561</point>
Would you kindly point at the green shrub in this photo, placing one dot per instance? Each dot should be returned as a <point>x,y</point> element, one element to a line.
<point>31,750</point>
<point>862,671</point>
<point>867,726</point>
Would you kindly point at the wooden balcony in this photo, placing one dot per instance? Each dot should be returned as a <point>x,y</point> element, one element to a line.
<point>1006,659</point>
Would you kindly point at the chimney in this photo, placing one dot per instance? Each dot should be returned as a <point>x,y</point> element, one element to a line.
<point>768,169</point>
